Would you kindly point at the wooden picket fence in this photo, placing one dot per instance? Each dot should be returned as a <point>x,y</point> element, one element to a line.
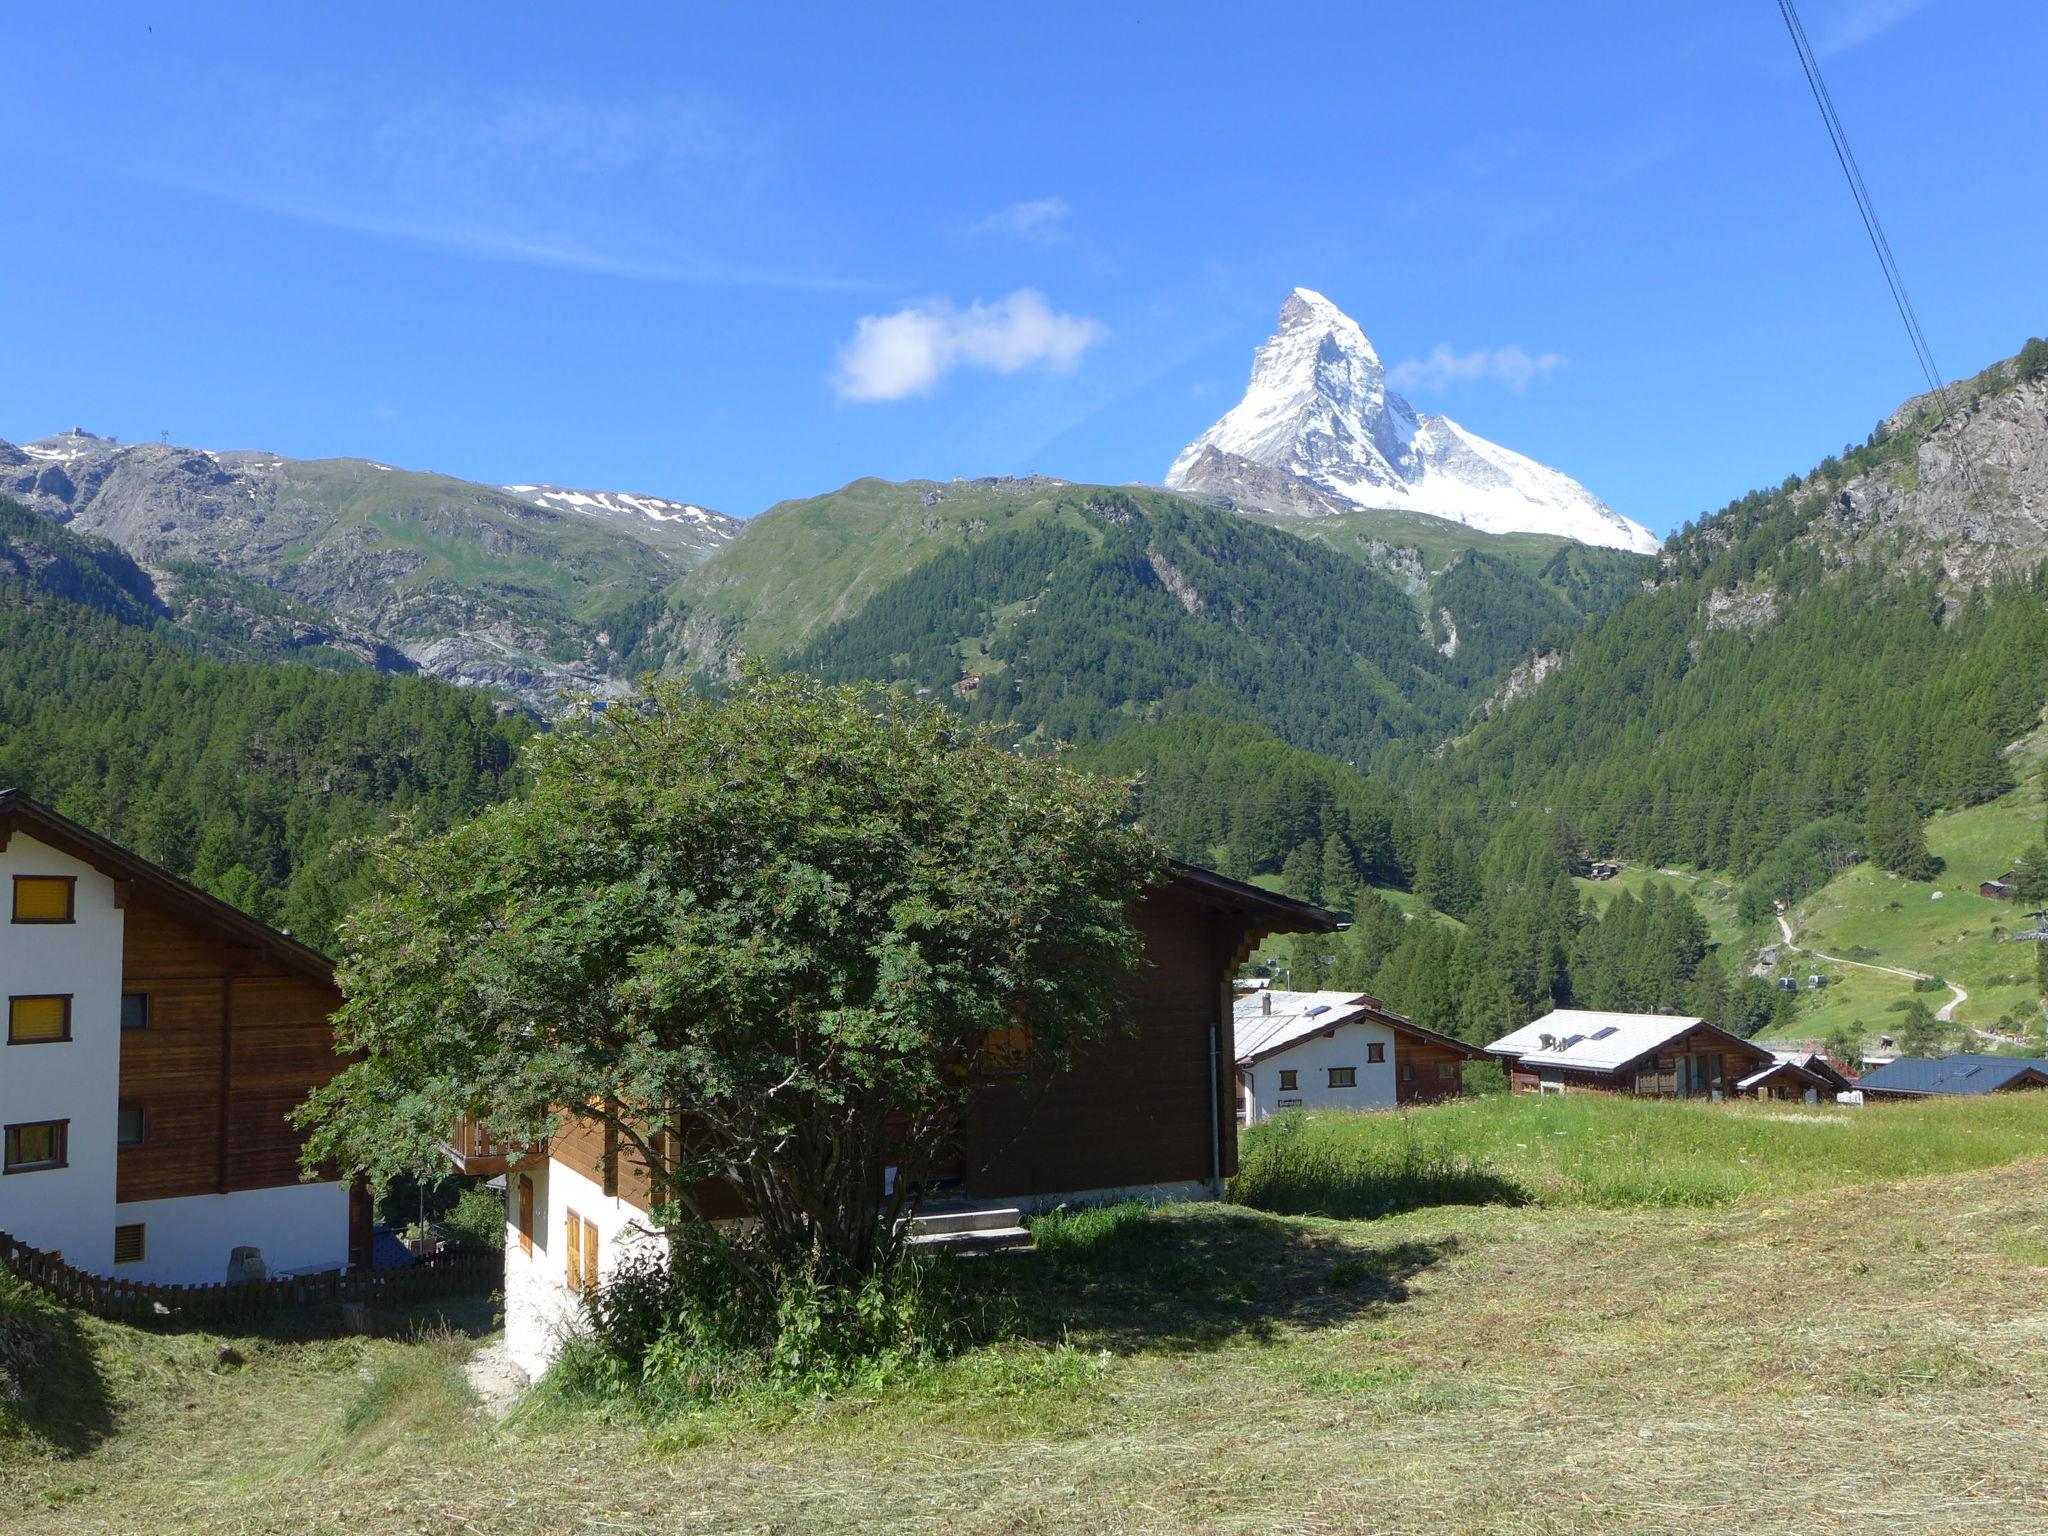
<point>454,1272</point>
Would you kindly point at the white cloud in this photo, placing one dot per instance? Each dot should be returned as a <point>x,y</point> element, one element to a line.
<point>908,353</point>
<point>646,186</point>
<point>1042,221</point>
<point>1445,368</point>
<point>1861,20</point>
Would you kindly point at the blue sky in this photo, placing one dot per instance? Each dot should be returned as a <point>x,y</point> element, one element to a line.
<point>736,255</point>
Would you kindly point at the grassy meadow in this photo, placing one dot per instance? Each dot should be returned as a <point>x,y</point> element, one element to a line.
<point>1866,914</point>
<point>1581,1151</point>
<point>1570,1365</point>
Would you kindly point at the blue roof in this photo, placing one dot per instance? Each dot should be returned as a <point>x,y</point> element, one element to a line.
<point>1952,1074</point>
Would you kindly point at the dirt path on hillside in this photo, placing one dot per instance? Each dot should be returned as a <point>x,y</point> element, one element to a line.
<point>1947,1012</point>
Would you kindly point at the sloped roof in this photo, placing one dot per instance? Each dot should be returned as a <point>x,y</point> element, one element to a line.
<point>1782,1066</point>
<point>157,886</point>
<point>1584,1041</point>
<point>1294,1016</point>
<point>1274,912</point>
<point>1297,1016</point>
<point>1963,1073</point>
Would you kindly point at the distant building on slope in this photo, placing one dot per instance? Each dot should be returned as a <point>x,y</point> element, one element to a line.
<point>1338,1050</point>
<point>1659,1055</point>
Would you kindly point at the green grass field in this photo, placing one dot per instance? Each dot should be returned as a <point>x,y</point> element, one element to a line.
<point>1587,1151</point>
<point>1815,1352</point>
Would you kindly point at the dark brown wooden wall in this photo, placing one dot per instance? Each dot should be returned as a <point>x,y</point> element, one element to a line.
<point>1134,1109</point>
<point>234,1042</point>
<point>1424,1056</point>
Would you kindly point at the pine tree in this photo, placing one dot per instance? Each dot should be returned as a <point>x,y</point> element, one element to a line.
<point>1896,837</point>
<point>1339,871</point>
<point>1301,872</point>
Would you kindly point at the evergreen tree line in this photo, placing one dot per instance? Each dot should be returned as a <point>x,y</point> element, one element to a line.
<point>255,781</point>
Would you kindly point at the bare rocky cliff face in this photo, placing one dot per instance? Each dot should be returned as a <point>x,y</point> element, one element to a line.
<point>475,584</point>
<point>1971,502</point>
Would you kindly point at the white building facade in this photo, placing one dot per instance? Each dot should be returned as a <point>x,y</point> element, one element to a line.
<point>563,1234</point>
<point>72,1011</point>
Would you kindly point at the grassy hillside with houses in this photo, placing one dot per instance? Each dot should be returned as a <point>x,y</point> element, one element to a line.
<point>1867,918</point>
<point>1219,1368</point>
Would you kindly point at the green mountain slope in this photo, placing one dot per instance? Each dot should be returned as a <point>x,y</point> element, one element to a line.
<point>250,778</point>
<point>1802,647</point>
<point>1077,611</point>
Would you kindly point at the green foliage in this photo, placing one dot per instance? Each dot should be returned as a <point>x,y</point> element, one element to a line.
<point>478,1218</point>
<point>2032,362</point>
<point>763,940</point>
<point>1235,795</point>
<point>1897,837</point>
<point>1805,861</point>
<point>668,1332</point>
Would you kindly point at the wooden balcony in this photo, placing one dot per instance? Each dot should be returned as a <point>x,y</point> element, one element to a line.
<point>473,1148</point>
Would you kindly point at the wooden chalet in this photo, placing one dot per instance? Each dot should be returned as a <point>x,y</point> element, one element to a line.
<point>1659,1055</point>
<point>157,1040</point>
<point>1146,1111</point>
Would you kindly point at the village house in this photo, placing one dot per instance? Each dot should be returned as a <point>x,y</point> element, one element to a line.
<point>1796,1074</point>
<point>1662,1055</point>
<point>156,1041</point>
<point>1338,1050</point>
<point>1145,1112</point>
<point>1911,1077</point>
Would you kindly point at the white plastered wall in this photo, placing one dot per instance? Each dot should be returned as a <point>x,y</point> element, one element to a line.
<point>70,1209</point>
<point>540,1309</point>
<point>1310,1061</point>
<point>299,1228</point>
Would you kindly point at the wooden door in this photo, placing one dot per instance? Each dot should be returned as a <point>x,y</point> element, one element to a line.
<point>525,1213</point>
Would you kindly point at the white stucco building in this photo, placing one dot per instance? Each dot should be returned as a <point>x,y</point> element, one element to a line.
<point>154,1041</point>
<point>1337,1050</point>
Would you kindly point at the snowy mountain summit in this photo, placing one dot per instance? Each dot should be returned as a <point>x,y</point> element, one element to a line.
<point>1318,432</point>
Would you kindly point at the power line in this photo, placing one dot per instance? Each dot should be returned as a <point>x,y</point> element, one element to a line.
<point>1872,225</point>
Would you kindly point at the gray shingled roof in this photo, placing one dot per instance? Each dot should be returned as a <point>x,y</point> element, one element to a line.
<point>1953,1074</point>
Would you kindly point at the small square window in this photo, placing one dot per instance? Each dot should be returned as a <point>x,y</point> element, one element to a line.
<point>45,899</point>
<point>1343,1077</point>
<point>1375,1051</point>
<point>1287,1081</point>
<point>133,1124</point>
<point>36,1145</point>
<point>1446,1071</point>
<point>38,1020</point>
<point>128,1244</point>
<point>1407,1071</point>
<point>135,1010</point>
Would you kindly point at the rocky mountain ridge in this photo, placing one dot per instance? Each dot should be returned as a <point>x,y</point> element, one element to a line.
<point>517,591</point>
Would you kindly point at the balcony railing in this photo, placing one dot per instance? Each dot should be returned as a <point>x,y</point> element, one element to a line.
<point>474,1148</point>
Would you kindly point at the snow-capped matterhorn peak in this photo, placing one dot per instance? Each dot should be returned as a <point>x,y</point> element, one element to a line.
<point>1318,410</point>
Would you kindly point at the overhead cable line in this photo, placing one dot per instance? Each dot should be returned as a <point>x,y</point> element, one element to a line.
<point>1872,225</point>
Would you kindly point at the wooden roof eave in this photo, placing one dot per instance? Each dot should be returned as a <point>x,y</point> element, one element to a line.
<point>137,880</point>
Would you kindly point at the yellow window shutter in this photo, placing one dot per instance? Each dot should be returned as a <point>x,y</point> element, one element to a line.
<point>590,1254</point>
<point>43,898</point>
<point>574,1261</point>
<point>32,1019</point>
